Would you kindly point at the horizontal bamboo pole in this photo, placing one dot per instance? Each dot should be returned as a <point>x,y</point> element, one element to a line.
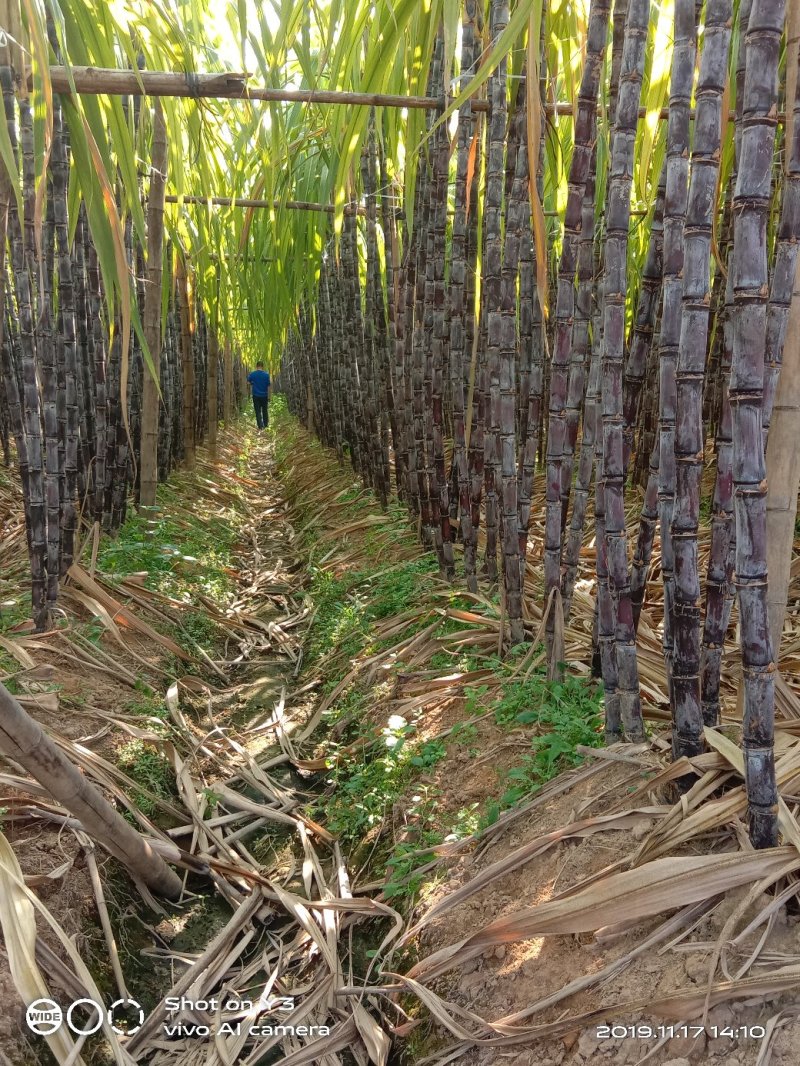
<point>108,81</point>
<point>293,205</point>
<point>230,201</point>
<point>300,205</point>
<point>100,81</point>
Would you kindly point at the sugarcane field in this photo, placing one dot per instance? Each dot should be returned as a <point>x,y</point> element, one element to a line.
<point>399,547</point>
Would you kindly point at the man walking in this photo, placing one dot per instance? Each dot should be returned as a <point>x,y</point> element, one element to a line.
<point>259,382</point>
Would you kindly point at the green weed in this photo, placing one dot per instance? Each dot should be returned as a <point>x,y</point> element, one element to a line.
<point>181,556</point>
<point>347,606</point>
<point>148,705</point>
<point>568,714</point>
<point>14,611</point>
<point>364,790</point>
<point>149,769</point>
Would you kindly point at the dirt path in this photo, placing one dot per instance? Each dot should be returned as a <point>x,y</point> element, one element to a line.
<point>321,735</point>
<point>165,712</point>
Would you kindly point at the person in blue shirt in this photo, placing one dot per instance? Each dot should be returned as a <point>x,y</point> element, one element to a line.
<point>259,382</point>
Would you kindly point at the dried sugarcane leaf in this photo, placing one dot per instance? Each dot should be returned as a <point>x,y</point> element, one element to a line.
<point>726,747</point>
<point>77,574</point>
<point>15,649</point>
<point>17,904</point>
<point>657,886</point>
<point>18,922</point>
<point>519,856</point>
<point>375,1039</point>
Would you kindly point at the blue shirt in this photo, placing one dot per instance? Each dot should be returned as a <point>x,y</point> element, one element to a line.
<point>259,379</point>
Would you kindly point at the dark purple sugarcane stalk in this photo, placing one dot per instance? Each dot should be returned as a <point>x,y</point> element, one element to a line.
<point>581,348</point>
<point>492,284</point>
<point>619,21</point>
<point>580,398</point>
<point>425,335</point>
<point>604,624</point>
<point>719,578</point>
<point>9,357</point>
<point>85,342</point>
<point>615,284</point>
<point>42,258</point>
<point>642,553</point>
<point>750,287</point>
<point>354,325</point>
<point>690,378</point>
<point>421,469</point>
<point>392,384</point>
<point>24,272</point>
<point>376,438</point>
<point>405,357</point>
<point>437,350</point>
<point>36,515</point>
<point>586,466</point>
<point>715,386</point>
<point>644,324</point>
<point>682,77</point>
<point>66,328</point>
<point>458,276</point>
<point>647,437</point>
<point>98,342</point>
<point>784,269</point>
<point>532,343</point>
<point>475,457</point>
<point>504,323</point>
<point>579,175</point>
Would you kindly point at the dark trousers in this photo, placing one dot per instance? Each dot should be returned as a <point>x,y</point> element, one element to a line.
<point>261,406</point>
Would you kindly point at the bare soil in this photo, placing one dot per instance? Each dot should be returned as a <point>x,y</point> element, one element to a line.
<point>513,976</point>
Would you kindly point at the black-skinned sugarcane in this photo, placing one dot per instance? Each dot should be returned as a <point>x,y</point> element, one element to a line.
<point>719,578</point>
<point>750,289</point>
<point>690,377</point>
<point>615,283</point>
<point>458,277</point>
<point>682,76</point>
<point>492,284</point>
<point>784,268</point>
<point>583,354</point>
<point>579,172</point>
<point>644,323</point>
<point>516,233</point>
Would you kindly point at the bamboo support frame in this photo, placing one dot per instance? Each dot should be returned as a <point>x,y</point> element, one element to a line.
<point>229,85</point>
<point>293,205</point>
